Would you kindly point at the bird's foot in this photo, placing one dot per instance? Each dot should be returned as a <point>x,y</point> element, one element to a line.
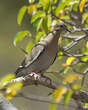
<point>36,76</point>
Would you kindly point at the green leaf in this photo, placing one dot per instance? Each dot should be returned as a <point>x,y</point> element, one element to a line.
<point>30,46</point>
<point>52,106</point>
<point>46,5</point>
<point>60,54</point>
<point>37,23</point>
<point>39,34</point>
<point>67,96</point>
<point>61,6</point>
<point>55,1</point>
<point>85,58</point>
<point>86,106</point>
<point>37,15</point>
<point>65,17</point>
<point>49,20</point>
<point>74,5</point>
<point>45,25</point>
<point>21,14</point>
<point>20,35</point>
<point>85,16</point>
<point>43,37</point>
<point>66,70</point>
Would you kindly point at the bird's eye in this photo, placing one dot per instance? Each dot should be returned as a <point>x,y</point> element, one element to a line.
<point>61,26</point>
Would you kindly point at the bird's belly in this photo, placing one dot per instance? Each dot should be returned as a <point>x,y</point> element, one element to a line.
<point>41,63</point>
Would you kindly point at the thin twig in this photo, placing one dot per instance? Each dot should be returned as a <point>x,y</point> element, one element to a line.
<point>64,20</point>
<point>69,46</point>
<point>84,76</point>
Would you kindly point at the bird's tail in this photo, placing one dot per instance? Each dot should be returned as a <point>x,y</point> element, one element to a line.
<point>18,71</point>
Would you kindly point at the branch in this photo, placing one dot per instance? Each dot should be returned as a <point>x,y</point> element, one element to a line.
<point>68,21</point>
<point>74,42</point>
<point>80,95</point>
<point>28,80</point>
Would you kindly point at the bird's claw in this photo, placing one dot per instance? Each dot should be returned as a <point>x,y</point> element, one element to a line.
<point>36,76</point>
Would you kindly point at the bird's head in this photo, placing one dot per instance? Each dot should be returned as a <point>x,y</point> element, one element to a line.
<point>60,27</point>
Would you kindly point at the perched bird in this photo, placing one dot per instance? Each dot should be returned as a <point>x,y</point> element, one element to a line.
<point>43,54</point>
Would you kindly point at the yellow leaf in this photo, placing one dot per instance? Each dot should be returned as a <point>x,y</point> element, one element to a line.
<point>87,45</point>
<point>13,93</point>
<point>13,89</point>
<point>32,9</point>
<point>76,86</point>
<point>9,97</point>
<point>68,61</point>
<point>18,86</point>
<point>57,95</point>
<point>81,6</point>
<point>71,78</point>
<point>15,86</point>
<point>6,79</point>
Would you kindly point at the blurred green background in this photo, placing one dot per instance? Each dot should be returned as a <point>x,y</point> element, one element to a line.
<point>11,57</point>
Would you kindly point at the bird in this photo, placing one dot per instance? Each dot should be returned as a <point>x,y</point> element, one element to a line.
<point>42,55</point>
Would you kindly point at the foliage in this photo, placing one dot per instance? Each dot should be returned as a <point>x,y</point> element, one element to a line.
<point>21,14</point>
<point>42,20</point>
<point>20,36</point>
<point>44,14</point>
<point>71,78</point>
<point>11,89</point>
<point>63,92</point>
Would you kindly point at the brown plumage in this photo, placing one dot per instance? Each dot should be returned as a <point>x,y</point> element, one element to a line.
<point>43,54</point>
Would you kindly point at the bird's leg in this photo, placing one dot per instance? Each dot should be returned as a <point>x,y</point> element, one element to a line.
<point>36,76</point>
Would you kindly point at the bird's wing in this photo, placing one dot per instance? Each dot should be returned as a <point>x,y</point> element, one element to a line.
<point>33,55</point>
<point>36,51</point>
